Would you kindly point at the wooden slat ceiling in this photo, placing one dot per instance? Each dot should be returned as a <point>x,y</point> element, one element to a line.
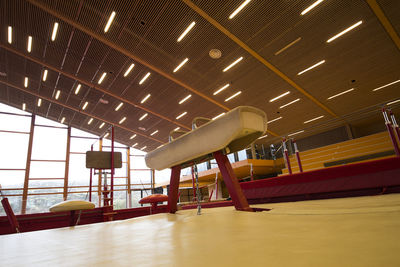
<point>145,33</point>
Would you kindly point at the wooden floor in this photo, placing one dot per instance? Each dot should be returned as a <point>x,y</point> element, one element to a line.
<point>363,231</point>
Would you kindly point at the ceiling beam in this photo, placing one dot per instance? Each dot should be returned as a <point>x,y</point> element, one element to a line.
<point>256,55</point>
<point>384,21</point>
<point>76,110</point>
<point>123,51</point>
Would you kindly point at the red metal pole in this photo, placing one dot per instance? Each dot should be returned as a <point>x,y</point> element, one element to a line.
<point>193,185</point>
<point>90,181</point>
<point>174,188</point>
<point>10,215</point>
<point>297,155</point>
<point>231,182</point>
<point>395,125</point>
<point>209,198</point>
<point>112,166</point>
<point>216,186</point>
<point>286,156</point>
<point>391,133</point>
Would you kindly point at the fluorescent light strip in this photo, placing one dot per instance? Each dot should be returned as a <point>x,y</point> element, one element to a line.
<point>339,94</point>
<point>186,31</point>
<point>305,11</point>
<point>143,116</point>
<point>396,101</point>
<point>274,120</point>
<point>317,118</point>
<point>145,98</point>
<point>181,115</point>
<point>57,94</point>
<point>233,64</point>
<point>9,35</point>
<point>90,121</point>
<point>54,34</point>
<point>302,131</point>
<point>129,70</point>
<point>234,13</point>
<point>216,117</point>
<point>232,96</point>
<point>153,133</point>
<point>85,105</point>
<point>263,136</point>
<point>122,120</point>
<point>294,101</point>
<point>221,89</point>
<point>313,66</point>
<point>287,46</point>
<point>135,144</point>
<point>119,106</point>
<point>44,78</point>
<point>343,32</point>
<point>177,128</point>
<point>62,120</point>
<point>101,125</point>
<point>23,106</point>
<point>143,148</point>
<point>29,47</point>
<point>133,136</point>
<point>102,78</point>
<point>110,20</point>
<point>106,135</point>
<point>279,96</point>
<point>389,84</point>
<point>39,103</point>
<point>77,89</point>
<point>186,98</point>
<point>181,64</point>
<point>144,78</point>
<point>26,82</point>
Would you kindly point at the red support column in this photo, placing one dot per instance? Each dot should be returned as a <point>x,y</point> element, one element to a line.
<point>112,166</point>
<point>174,188</point>
<point>391,132</point>
<point>10,215</point>
<point>193,185</point>
<point>286,156</point>
<point>296,150</point>
<point>90,181</point>
<point>231,182</point>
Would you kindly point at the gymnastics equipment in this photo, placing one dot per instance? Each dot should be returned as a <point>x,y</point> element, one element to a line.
<point>286,156</point>
<point>395,125</point>
<point>229,133</point>
<point>296,151</point>
<point>12,219</point>
<point>390,130</point>
<point>153,200</point>
<point>72,206</point>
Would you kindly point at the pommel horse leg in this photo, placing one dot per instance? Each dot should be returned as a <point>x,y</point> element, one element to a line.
<point>231,182</point>
<point>173,189</point>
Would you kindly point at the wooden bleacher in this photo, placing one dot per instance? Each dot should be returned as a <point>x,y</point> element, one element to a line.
<point>356,150</point>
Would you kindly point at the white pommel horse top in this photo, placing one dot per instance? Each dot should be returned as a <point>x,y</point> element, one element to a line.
<point>233,131</point>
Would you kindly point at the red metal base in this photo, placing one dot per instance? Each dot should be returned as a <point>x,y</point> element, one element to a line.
<point>173,189</point>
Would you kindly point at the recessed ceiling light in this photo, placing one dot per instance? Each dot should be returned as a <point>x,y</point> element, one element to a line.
<point>181,64</point>
<point>396,101</point>
<point>186,31</point>
<point>232,96</point>
<point>302,131</point>
<point>106,135</point>
<point>287,46</point>
<point>181,115</point>
<point>305,11</point>
<point>177,128</point>
<point>39,103</point>
<point>54,34</point>
<point>317,118</point>
<point>279,96</point>
<point>57,94</point>
<point>342,93</point>
<point>145,98</point>
<point>85,105</point>
<point>9,39</point>
<point>101,125</point>
<point>143,116</point>
<point>294,101</point>
<point>135,144</point>
<point>44,78</point>
<point>237,10</point>
<point>263,136</point>
<point>386,85</point>
<point>313,66</point>
<point>29,46</point>
<point>110,20</point>
<point>153,133</point>
<point>129,70</point>
<point>186,98</point>
<point>23,106</point>
<point>122,120</point>
<point>216,117</point>
<point>274,120</point>
<point>90,121</point>
<point>102,78</point>
<point>343,32</point>
<point>144,78</point>
<point>133,136</point>
<point>221,89</point>
<point>233,64</point>
<point>119,106</point>
<point>26,82</point>
<point>143,148</point>
<point>77,89</point>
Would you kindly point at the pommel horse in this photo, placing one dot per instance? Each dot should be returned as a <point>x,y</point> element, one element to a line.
<point>229,133</point>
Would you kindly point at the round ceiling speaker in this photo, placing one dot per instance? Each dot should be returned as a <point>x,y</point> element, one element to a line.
<point>215,53</point>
